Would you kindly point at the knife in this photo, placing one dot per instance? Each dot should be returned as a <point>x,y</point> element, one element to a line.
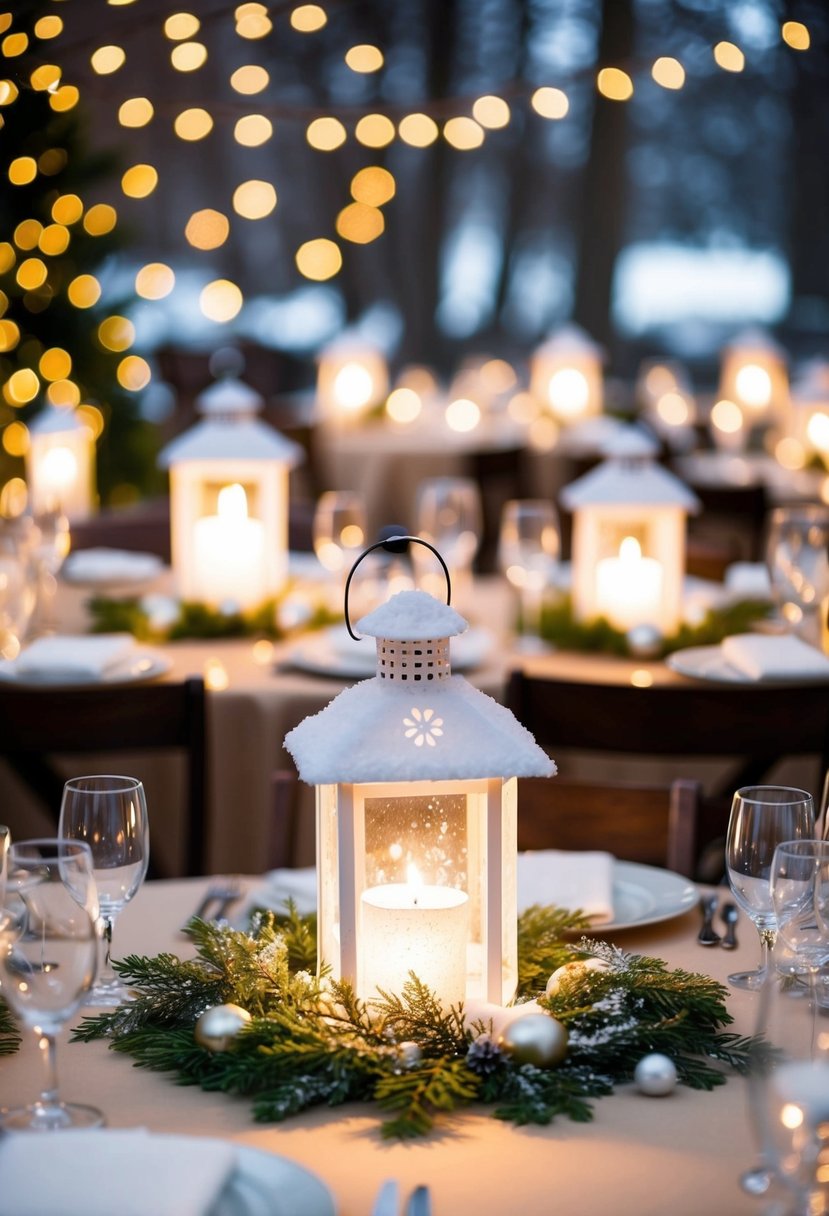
<point>708,935</point>
<point>419,1202</point>
<point>387,1202</point>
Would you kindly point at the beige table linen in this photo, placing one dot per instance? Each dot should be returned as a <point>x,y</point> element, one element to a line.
<point>641,1156</point>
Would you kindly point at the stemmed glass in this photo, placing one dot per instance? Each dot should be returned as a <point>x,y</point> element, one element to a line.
<point>528,553</point>
<point>800,898</point>
<point>51,547</point>
<point>110,815</point>
<point>762,817</point>
<point>340,531</point>
<point>798,561</point>
<point>48,953</point>
<point>449,516</point>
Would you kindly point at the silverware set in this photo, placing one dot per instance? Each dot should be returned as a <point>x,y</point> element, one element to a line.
<point>220,896</point>
<point>729,914</point>
<point>387,1201</point>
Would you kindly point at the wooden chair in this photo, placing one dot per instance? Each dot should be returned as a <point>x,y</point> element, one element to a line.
<point>757,725</point>
<point>38,724</point>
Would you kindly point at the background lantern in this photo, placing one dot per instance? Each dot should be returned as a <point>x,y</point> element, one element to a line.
<point>629,522</point>
<point>753,375</point>
<point>810,412</point>
<point>352,378</point>
<point>416,816</point>
<point>566,376</point>
<point>60,464</point>
<point>229,500</point>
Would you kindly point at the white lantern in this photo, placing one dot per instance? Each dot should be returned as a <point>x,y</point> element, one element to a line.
<point>566,376</point>
<point>753,375</point>
<point>629,522</point>
<point>60,464</point>
<point>810,411</point>
<point>352,379</point>
<point>229,501</point>
<point>416,816</point>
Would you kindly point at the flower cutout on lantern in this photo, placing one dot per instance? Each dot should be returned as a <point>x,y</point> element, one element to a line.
<point>423,727</point>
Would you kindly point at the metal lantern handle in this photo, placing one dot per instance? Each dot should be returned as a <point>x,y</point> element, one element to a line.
<point>392,544</point>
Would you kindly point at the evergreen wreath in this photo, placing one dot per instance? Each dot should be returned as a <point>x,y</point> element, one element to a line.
<point>311,1041</point>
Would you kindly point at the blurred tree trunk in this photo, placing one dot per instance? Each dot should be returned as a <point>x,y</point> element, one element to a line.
<point>599,226</point>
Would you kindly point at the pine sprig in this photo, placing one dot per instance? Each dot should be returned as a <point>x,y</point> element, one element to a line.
<point>418,1017</point>
<point>543,944</point>
<point>434,1085</point>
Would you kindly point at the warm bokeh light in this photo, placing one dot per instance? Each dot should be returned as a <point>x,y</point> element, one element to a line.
<point>568,392</point>
<point>364,58</point>
<point>135,112</point>
<point>463,133</point>
<point>9,335</point>
<point>463,414</point>
<point>673,408</point>
<point>188,56</point>
<point>727,417</point>
<point>668,72</point>
<point>729,57</point>
<point>254,200</point>
<point>319,259</point>
<point>403,405</point>
<point>360,223</point>
<point>14,45</point>
<point>116,333</point>
<point>21,387</point>
<point>180,26</point>
<point>45,77</point>
<point>614,84</point>
<point>374,131</point>
<point>193,124</point>
<point>8,92</point>
<point>641,678</point>
<point>7,256</point>
<point>253,130</point>
<point>373,185</point>
<point>66,98</point>
<point>31,274</point>
<point>92,418</point>
<point>139,181</point>
<point>63,393</point>
<point>817,432</point>
<point>308,17</point>
<point>796,35</point>
<point>27,234</point>
<point>221,300</point>
<point>22,170</point>
<point>418,130</point>
<point>492,112</point>
<point>55,364</point>
<point>207,229</point>
<point>216,678</point>
<point>497,375</point>
<point>16,439</point>
<point>100,219</point>
<point>252,24</point>
<point>249,79</point>
<point>54,240</point>
<point>48,27</point>
<point>753,385</point>
<point>133,373</point>
<point>325,134</point>
<point>789,453</point>
<point>155,281</point>
<point>67,209</point>
<point>13,497</point>
<point>107,59</point>
<point>522,407</point>
<point>5,22</point>
<point>84,291</point>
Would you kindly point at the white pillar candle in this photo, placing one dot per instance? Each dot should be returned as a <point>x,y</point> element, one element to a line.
<point>408,927</point>
<point>629,587</point>
<point>229,553</point>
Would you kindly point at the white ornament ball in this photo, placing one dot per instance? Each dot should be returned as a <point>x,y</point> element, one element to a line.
<point>217,1027</point>
<point>644,641</point>
<point>655,1075</point>
<point>536,1039</point>
<point>410,1053</point>
<point>574,971</point>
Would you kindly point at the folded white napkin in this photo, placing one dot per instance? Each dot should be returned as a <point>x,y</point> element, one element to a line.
<point>279,885</point>
<point>748,580</point>
<point>86,657</point>
<point>760,656</point>
<point>98,1173</point>
<point>100,565</point>
<point>567,880</point>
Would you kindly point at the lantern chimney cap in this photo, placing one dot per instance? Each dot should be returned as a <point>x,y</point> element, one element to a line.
<point>55,420</point>
<point>629,483</point>
<point>572,340</point>
<point>412,616</point>
<point>229,396</point>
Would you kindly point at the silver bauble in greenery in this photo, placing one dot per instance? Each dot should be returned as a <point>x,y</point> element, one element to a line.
<point>655,1075</point>
<point>535,1039</point>
<point>644,641</point>
<point>218,1026</point>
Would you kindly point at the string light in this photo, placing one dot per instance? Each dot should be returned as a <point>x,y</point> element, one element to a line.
<point>22,170</point>
<point>207,229</point>
<point>374,131</point>
<point>796,35</point>
<point>308,18</point>
<point>55,364</point>
<point>14,45</point>
<point>463,133</point>
<point>188,56</point>
<point>139,181</point>
<point>47,27</point>
<point>67,209</point>
<point>614,84</point>
<point>491,112</point>
<point>193,124</point>
<point>154,281</point>
<point>7,257</point>
<point>100,219</point>
<point>254,200</point>
<point>133,373</point>
<point>107,59</point>
<point>364,58</point>
<point>63,393</point>
<point>27,234</point>
<point>135,112</point>
<point>253,130</point>
<point>84,291</point>
<point>181,26</point>
<point>45,77</point>
<point>319,259</point>
<point>249,79</point>
<point>373,185</point>
<point>116,333</point>
<point>729,57</point>
<point>221,300</point>
<point>66,98</point>
<point>360,223</point>
<point>325,134</point>
<point>54,240</point>
<point>669,73</point>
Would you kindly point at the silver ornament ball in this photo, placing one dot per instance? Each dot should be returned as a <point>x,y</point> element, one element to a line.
<point>535,1039</point>
<point>410,1053</point>
<point>218,1026</point>
<point>644,641</point>
<point>655,1075</point>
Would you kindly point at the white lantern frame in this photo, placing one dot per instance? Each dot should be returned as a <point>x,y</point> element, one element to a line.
<point>569,350</point>
<point>338,358</point>
<point>57,436</point>
<point>755,349</point>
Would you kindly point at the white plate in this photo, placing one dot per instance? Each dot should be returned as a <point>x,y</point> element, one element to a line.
<point>96,568</point>
<point>265,1185</point>
<point>646,895</point>
<point>326,654</point>
<point>708,663</point>
<point>142,664</point>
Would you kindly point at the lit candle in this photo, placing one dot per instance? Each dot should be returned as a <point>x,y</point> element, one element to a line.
<point>569,393</point>
<point>629,587</point>
<point>228,552</point>
<point>58,471</point>
<point>415,927</point>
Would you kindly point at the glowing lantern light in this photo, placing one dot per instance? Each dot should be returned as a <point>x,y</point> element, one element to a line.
<point>753,375</point>
<point>566,376</point>
<point>60,464</point>
<point>352,378</point>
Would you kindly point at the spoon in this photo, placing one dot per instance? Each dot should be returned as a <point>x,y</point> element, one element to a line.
<point>707,935</point>
<point>730,915</point>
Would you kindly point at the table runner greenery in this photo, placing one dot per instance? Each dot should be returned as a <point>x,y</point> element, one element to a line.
<point>196,620</point>
<point>312,1042</point>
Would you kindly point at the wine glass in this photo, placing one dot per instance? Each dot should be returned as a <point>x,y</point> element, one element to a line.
<point>110,815</point>
<point>762,816</point>
<point>51,547</point>
<point>798,561</point>
<point>48,953</point>
<point>528,553</point>
<point>800,898</point>
<point>339,531</point>
<point>449,516</point>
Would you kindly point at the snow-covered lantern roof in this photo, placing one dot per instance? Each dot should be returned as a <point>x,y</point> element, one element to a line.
<point>753,375</point>
<point>416,773</point>
<point>229,500</point>
<point>629,524</point>
<point>352,378</point>
<point>566,375</point>
<point>60,464</point>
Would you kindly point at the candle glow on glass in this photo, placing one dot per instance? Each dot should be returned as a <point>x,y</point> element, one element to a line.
<point>568,392</point>
<point>228,552</point>
<point>629,587</point>
<point>353,386</point>
<point>753,384</point>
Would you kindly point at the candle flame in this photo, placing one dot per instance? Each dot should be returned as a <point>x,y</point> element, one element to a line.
<point>630,550</point>
<point>413,876</point>
<point>232,502</point>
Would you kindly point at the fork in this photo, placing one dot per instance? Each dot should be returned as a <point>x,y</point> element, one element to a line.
<point>221,892</point>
